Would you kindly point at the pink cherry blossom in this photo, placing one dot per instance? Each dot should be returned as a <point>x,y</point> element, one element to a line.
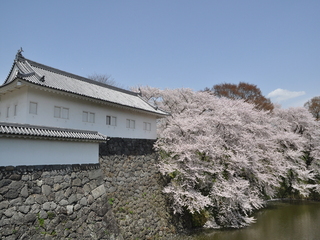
<point>228,158</point>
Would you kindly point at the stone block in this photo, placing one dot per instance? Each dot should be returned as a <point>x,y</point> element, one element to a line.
<point>36,190</point>
<point>59,196</point>
<point>56,187</point>
<point>30,217</point>
<point>61,210</point>
<point>39,183</point>
<point>63,202</point>
<point>40,198</point>
<point>97,192</point>
<point>48,181</point>
<point>10,212</point>
<point>77,182</point>
<point>43,214</point>
<point>83,201</point>
<point>49,206</point>
<point>18,217</point>
<point>73,198</point>
<point>66,179</point>
<point>77,207</point>
<point>4,205</point>
<point>12,193</point>
<point>86,188</point>
<point>5,221</point>
<point>16,185</point>
<point>6,231</point>
<point>25,178</point>
<point>103,209</point>
<point>58,179</point>
<point>24,209</point>
<point>46,189</point>
<point>85,180</point>
<point>15,177</point>
<point>90,199</point>
<point>94,174</point>
<point>30,200</point>
<point>69,209</point>
<point>65,185</point>
<point>3,190</point>
<point>112,189</point>
<point>24,191</point>
<point>73,175</point>
<point>35,208</point>
<point>68,192</point>
<point>5,182</point>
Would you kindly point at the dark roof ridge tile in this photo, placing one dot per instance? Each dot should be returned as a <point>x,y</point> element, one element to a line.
<point>8,124</point>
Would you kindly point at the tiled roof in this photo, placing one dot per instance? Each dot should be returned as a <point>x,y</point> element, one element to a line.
<point>49,77</point>
<point>31,131</point>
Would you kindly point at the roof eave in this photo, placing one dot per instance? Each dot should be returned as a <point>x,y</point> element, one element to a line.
<point>30,83</point>
<point>27,131</point>
<point>14,84</point>
<point>21,136</point>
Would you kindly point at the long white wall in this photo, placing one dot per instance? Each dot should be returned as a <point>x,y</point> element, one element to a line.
<point>14,152</point>
<point>46,101</point>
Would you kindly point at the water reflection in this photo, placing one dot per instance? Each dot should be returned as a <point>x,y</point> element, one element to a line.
<point>279,221</point>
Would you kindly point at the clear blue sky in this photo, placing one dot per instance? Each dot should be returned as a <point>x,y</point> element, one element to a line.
<point>172,43</point>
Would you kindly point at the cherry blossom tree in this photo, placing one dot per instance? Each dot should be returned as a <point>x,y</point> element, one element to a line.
<point>301,122</point>
<point>226,158</point>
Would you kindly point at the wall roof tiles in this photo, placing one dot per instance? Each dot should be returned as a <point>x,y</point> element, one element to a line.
<point>32,131</point>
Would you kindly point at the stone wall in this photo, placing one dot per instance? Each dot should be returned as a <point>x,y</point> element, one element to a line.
<point>120,198</point>
<point>55,202</point>
<point>135,186</point>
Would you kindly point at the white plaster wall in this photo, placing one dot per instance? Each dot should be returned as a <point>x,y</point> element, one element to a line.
<point>16,151</point>
<point>45,116</point>
<point>17,97</point>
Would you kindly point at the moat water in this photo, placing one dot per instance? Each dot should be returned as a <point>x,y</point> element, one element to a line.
<point>294,220</point>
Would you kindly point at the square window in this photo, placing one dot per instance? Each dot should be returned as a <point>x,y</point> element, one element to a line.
<point>131,123</point>
<point>15,109</point>
<point>147,126</point>
<point>84,116</point>
<point>91,117</point>
<point>112,121</point>
<point>61,112</point>
<point>57,112</point>
<point>108,120</point>
<point>65,113</point>
<point>33,108</point>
